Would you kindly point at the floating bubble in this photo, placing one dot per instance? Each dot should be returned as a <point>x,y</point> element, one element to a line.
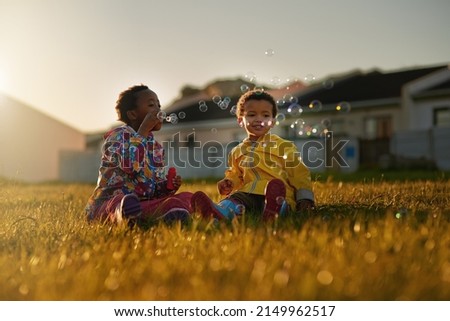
<point>310,78</point>
<point>250,76</point>
<point>223,105</point>
<point>294,107</point>
<point>213,130</point>
<point>181,115</point>
<point>269,52</point>
<point>343,107</point>
<point>240,209</point>
<point>288,97</point>
<point>328,83</point>
<point>172,118</point>
<point>293,100</point>
<point>217,99</point>
<point>280,118</point>
<point>280,102</point>
<point>275,81</point>
<point>233,110</point>
<point>315,105</point>
<point>161,115</point>
<point>203,108</point>
<point>244,88</point>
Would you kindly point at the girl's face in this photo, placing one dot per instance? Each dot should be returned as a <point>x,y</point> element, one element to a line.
<point>147,102</point>
<point>257,119</point>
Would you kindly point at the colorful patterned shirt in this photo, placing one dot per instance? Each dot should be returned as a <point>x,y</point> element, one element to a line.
<point>130,163</point>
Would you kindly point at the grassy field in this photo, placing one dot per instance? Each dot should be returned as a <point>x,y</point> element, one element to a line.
<point>373,237</point>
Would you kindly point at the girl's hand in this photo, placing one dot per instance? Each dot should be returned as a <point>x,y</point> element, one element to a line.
<point>177,181</point>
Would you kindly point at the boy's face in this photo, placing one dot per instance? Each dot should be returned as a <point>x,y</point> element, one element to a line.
<point>147,102</point>
<point>257,118</point>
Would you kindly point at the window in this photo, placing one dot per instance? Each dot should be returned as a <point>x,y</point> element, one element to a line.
<point>441,117</point>
<point>378,127</point>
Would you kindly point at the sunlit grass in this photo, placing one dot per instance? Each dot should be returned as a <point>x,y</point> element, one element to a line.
<point>369,240</point>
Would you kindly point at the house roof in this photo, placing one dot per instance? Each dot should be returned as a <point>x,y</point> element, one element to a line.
<point>374,85</point>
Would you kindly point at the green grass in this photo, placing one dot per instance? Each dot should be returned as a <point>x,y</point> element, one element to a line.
<point>371,238</point>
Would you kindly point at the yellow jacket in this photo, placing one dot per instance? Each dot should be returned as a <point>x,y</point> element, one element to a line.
<point>251,165</point>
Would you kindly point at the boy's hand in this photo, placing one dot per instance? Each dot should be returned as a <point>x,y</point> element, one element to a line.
<point>304,207</point>
<point>225,186</point>
<point>150,121</point>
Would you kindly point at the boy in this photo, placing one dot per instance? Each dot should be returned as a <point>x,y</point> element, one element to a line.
<point>265,172</point>
<point>131,184</point>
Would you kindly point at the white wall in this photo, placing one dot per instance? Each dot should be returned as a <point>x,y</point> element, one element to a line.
<point>30,142</point>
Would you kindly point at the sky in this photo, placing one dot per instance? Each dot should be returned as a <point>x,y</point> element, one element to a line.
<point>71,58</point>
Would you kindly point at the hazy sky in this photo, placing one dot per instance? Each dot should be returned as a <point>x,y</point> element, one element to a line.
<point>71,58</point>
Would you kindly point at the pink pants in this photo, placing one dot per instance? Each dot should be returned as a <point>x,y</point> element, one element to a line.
<point>151,209</point>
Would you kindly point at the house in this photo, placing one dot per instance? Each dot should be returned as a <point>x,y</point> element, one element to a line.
<point>395,118</point>
<point>31,142</point>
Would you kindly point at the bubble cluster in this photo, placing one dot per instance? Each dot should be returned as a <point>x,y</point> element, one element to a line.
<point>269,52</point>
<point>202,106</point>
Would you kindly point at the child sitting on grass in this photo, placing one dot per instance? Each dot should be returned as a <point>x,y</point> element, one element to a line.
<point>265,173</point>
<point>132,185</point>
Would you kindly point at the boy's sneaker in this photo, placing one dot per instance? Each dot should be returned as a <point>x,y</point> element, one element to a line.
<point>275,194</point>
<point>202,204</point>
<point>129,209</point>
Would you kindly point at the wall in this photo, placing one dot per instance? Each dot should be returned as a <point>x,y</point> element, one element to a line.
<point>30,142</point>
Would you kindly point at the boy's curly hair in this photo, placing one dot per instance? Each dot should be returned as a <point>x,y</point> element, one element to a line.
<point>127,101</point>
<point>255,95</point>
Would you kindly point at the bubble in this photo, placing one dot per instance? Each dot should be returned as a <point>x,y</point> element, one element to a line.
<point>310,78</point>
<point>244,88</point>
<point>288,97</point>
<point>269,52</point>
<point>280,118</point>
<point>203,108</point>
<point>294,107</point>
<point>217,99</point>
<point>172,118</point>
<point>293,99</point>
<point>250,76</point>
<point>328,83</point>
<point>213,130</point>
<point>233,110</point>
<point>161,115</point>
<point>315,105</point>
<point>275,81</point>
<point>240,209</point>
<point>343,107</point>
<point>280,102</point>
<point>181,115</point>
<point>223,105</point>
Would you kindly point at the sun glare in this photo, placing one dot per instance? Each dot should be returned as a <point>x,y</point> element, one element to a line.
<point>2,80</point>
